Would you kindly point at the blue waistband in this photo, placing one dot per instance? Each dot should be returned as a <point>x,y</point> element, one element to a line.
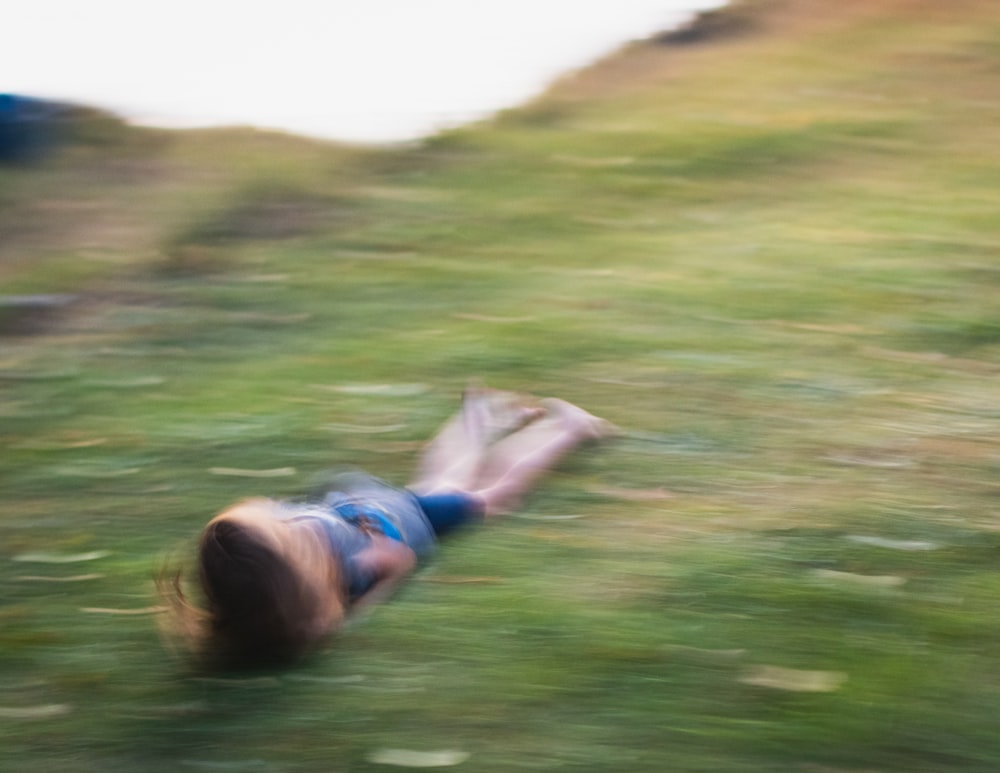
<point>367,516</point>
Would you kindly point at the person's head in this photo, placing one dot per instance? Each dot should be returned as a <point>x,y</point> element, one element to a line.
<point>271,587</point>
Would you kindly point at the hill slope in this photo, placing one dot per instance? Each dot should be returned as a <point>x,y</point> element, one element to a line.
<point>765,247</point>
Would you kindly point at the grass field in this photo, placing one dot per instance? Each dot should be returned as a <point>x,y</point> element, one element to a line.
<point>767,249</point>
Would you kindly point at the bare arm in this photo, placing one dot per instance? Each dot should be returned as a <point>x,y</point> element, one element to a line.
<point>389,561</point>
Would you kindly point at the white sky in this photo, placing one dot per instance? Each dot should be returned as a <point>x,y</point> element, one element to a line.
<point>359,70</point>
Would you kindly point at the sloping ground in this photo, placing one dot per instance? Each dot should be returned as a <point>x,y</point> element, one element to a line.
<point>765,247</point>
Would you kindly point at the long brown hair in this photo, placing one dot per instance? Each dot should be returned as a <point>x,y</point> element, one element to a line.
<point>271,590</point>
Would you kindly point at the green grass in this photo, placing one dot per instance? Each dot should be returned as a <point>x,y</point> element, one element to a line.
<point>771,257</point>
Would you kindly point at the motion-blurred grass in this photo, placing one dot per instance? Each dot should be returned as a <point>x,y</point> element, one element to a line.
<point>767,250</point>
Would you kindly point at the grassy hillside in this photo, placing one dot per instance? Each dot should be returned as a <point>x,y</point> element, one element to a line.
<point>766,247</point>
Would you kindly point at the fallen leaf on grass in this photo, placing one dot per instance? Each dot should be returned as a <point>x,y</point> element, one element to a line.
<point>633,494</point>
<point>266,278</point>
<point>793,679</point>
<point>41,445</point>
<point>113,611</point>
<point>820,328</point>
<point>392,689</point>
<point>388,446</point>
<point>46,711</point>
<point>453,580</point>
<point>407,758</point>
<point>358,429</point>
<point>377,254</point>
<point>593,161</point>
<point>311,679</point>
<point>250,681</point>
<point>873,580</point>
<point>381,390</point>
<point>94,471</point>
<point>129,383</point>
<point>277,472</point>
<point>892,544</point>
<point>276,319</point>
<point>46,578</point>
<point>56,558</point>
<point>542,517</point>
<point>488,318</point>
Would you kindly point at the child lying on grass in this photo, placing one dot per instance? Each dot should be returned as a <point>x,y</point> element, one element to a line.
<point>279,577</point>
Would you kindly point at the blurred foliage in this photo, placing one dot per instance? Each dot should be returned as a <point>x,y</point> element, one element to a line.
<point>769,254</point>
